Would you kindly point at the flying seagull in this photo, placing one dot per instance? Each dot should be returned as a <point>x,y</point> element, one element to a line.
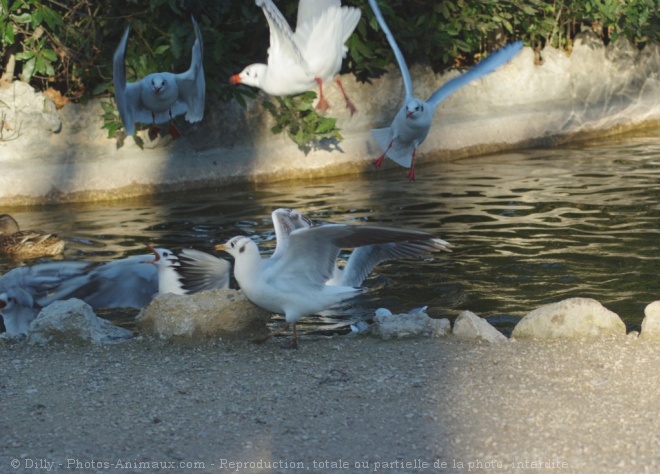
<point>310,56</point>
<point>412,123</point>
<point>160,96</point>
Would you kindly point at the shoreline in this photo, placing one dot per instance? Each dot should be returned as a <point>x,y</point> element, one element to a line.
<point>597,91</point>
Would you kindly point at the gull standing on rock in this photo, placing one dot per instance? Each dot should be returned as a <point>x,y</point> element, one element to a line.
<point>160,96</point>
<point>313,54</point>
<point>294,283</point>
<point>412,123</point>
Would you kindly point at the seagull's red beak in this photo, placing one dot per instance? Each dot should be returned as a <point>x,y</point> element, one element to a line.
<point>157,90</point>
<point>3,303</point>
<point>235,79</point>
<point>409,114</point>
<point>151,247</point>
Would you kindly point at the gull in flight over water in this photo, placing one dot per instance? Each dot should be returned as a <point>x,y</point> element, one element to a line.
<point>160,96</point>
<point>310,56</point>
<point>412,123</point>
<point>294,280</point>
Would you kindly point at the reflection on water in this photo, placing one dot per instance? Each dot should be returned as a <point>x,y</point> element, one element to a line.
<point>530,228</point>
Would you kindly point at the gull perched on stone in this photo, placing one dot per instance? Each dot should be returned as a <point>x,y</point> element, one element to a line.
<point>294,282</point>
<point>160,96</point>
<point>412,123</point>
<point>313,54</point>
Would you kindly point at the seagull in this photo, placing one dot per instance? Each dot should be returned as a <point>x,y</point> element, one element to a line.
<point>411,124</point>
<point>293,283</point>
<point>160,96</point>
<point>313,54</point>
<point>24,291</point>
<point>190,272</point>
<point>26,243</point>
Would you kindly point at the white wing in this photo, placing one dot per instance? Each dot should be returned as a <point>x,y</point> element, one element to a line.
<point>283,47</point>
<point>202,271</point>
<point>125,283</point>
<point>313,251</point>
<point>285,221</point>
<point>364,259</point>
<point>127,96</point>
<point>486,66</point>
<point>407,81</point>
<point>191,84</point>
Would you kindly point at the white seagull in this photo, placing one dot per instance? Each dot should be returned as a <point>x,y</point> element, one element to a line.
<point>295,283</point>
<point>313,54</point>
<point>160,96</point>
<point>411,124</point>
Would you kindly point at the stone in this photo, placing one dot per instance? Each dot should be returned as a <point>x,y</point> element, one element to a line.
<point>572,318</point>
<point>73,321</point>
<point>470,326</point>
<point>651,322</point>
<point>388,326</point>
<point>221,313</point>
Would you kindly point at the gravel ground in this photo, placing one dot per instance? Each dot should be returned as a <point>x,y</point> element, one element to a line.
<point>338,404</point>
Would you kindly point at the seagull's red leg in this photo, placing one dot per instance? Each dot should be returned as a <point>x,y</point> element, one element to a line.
<point>349,105</point>
<point>379,162</point>
<point>411,173</point>
<point>153,130</point>
<point>323,104</point>
<point>173,131</point>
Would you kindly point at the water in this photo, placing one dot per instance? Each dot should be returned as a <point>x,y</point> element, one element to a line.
<point>530,227</point>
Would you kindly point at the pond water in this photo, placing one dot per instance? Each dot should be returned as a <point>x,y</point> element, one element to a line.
<point>530,227</point>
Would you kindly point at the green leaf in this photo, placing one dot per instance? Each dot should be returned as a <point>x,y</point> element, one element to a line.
<point>49,54</point>
<point>25,55</point>
<point>28,69</point>
<point>23,18</point>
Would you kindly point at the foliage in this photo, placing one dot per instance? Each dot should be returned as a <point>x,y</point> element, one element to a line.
<point>297,115</point>
<point>64,43</point>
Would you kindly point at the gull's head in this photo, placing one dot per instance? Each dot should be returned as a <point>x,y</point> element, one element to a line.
<point>250,76</point>
<point>415,108</point>
<point>158,83</point>
<point>163,257</point>
<point>237,246</point>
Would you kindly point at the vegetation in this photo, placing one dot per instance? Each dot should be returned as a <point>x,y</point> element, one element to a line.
<point>67,44</point>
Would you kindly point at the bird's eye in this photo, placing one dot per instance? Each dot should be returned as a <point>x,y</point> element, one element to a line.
<point>10,299</point>
<point>233,244</point>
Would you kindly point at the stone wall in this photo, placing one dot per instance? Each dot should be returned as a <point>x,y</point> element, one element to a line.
<point>50,155</point>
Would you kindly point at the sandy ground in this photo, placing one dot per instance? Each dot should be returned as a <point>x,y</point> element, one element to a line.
<point>338,404</point>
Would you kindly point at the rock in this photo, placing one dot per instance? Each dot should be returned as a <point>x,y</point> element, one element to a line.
<point>220,313</point>
<point>651,322</point>
<point>73,321</point>
<point>387,325</point>
<point>572,318</point>
<point>470,326</point>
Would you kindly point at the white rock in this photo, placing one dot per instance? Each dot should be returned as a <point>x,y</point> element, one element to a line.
<point>388,326</point>
<point>73,321</point>
<point>470,326</point>
<point>571,318</point>
<point>221,313</point>
<point>651,322</point>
